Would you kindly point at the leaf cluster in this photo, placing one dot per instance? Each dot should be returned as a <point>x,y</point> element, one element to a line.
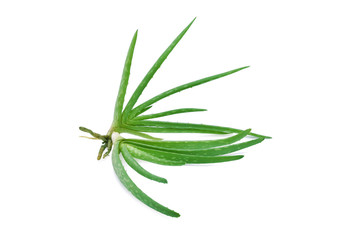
<point>131,119</point>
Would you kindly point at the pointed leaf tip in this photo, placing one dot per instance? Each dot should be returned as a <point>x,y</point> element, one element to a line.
<point>138,91</point>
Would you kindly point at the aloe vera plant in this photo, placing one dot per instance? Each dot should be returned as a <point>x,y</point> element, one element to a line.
<point>131,119</point>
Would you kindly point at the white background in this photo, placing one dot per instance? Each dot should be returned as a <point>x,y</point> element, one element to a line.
<point>60,66</point>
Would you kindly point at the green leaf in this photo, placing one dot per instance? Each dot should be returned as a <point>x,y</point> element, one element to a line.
<point>145,109</point>
<point>137,133</point>
<point>152,71</point>
<point>218,150</point>
<point>191,126</point>
<point>170,112</point>
<point>137,167</point>
<point>168,130</point>
<point>185,157</point>
<point>167,93</point>
<point>131,186</point>
<point>198,145</point>
<point>143,155</point>
<point>124,83</point>
<point>204,152</point>
<point>225,149</point>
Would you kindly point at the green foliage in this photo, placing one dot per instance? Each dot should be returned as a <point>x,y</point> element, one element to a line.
<point>167,113</point>
<point>131,186</point>
<point>130,119</point>
<point>137,167</point>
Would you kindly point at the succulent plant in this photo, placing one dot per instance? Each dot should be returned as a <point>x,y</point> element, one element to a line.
<point>131,119</point>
